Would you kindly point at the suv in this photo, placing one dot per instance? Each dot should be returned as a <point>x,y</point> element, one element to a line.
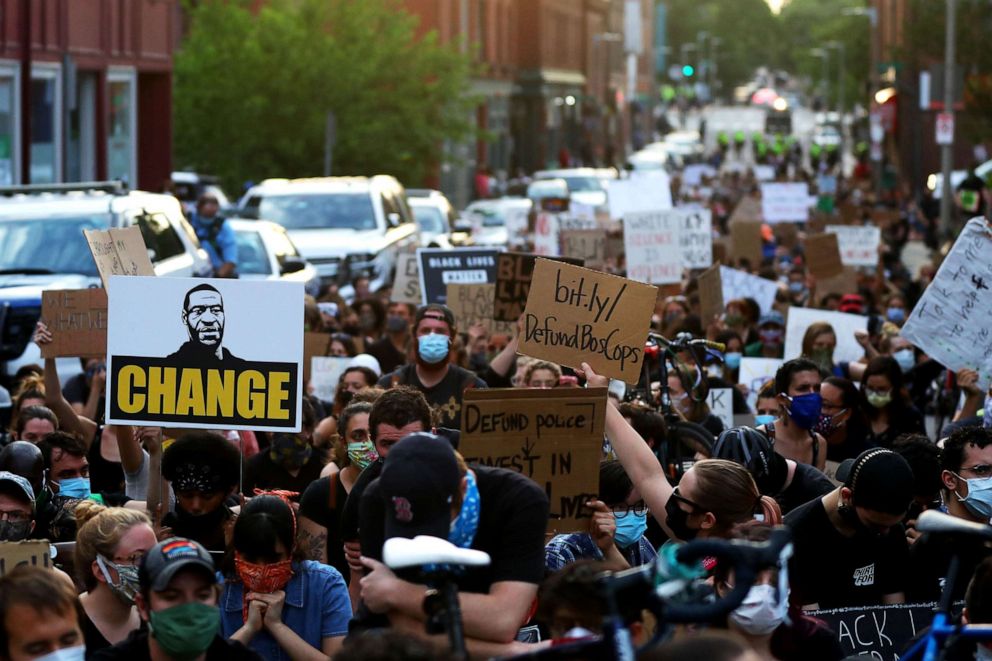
<point>42,247</point>
<point>344,226</point>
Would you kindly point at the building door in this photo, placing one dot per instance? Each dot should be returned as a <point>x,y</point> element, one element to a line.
<point>46,124</point>
<point>81,145</point>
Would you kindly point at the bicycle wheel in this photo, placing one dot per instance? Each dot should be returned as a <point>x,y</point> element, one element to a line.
<point>684,443</point>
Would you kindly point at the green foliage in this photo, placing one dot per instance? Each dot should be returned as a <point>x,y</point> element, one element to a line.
<point>252,90</point>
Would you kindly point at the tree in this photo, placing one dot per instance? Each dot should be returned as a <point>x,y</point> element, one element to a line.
<point>253,88</point>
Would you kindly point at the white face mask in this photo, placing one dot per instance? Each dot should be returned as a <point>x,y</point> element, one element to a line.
<point>65,654</point>
<point>760,613</point>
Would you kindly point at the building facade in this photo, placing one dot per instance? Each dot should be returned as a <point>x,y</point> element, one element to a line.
<point>86,90</point>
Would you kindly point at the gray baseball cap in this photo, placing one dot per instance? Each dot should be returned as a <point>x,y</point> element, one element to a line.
<point>23,484</point>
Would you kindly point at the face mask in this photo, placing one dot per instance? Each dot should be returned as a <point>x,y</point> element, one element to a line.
<point>826,426</point>
<point>850,516</point>
<point>732,359</point>
<point>979,498</point>
<point>630,528</point>
<point>75,487</point>
<point>352,329</point>
<point>672,317</point>
<point>362,453</point>
<point>805,409</point>
<point>185,631</point>
<point>770,337</point>
<point>905,358</point>
<point>466,524</point>
<point>682,402</point>
<point>65,654</point>
<point>433,348</point>
<point>822,357</point>
<point>366,321</point>
<point>677,520</point>
<point>290,451</point>
<point>395,324</point>
<point>764,419</point>
<point>126,585</point>
<point>796,287</point>
<point>761,611</point>
<point>895,315</point>
<point>878,399</point>
<point>14,532</point>
<point>734,320</point>
<point>264,578</point>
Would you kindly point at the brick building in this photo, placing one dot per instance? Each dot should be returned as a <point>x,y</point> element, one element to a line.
<point>86,90</point>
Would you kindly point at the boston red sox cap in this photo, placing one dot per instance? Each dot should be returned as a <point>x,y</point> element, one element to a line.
<point>418,483</point>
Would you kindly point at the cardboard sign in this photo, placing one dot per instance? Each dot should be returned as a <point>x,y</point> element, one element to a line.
<point>406,285</point>
<point>952,321</point>
<point>325,372</point>
<point>755,373</point>
<point>639,194</point>
<point>845,282</point>
<point>185,352</point>
<point>877,632</point>
<point>710,294</point>
<point>440,267</point>
<point>554,437</point>
<point>785,202</point>
<point>823,255</point>
<point>721,403</point>
<point>546,231</point>
<point>473,304</point>
<point>696,238</point>
<point>786,234</point>
<point>119,251</point>
<point>844,325</point>
<point>314,344</point>
<point>858,244</point>
<point>575,314</point>
<point>746,242</point>
<point>514,271</point>
<point>652,244</point>
<point>747,210</point>
<point>77,319</point>
<point>36,553</point>
<point>588,246</point>
<point>738,284</point>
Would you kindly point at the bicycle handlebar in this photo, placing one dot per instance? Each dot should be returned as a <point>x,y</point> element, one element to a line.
<point>684,341</point>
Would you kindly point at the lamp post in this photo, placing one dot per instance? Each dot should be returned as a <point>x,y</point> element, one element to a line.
<point>947,149</point>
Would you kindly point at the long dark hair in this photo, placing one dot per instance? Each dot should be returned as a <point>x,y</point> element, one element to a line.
<point>850,399</point>
<point>264,521</point>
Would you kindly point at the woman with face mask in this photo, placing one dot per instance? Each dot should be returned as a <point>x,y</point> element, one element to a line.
<point>109,546</point>
<point>819,343</point>
<point>692,403</point>
<point>290,463</point>
<point>726,375</point>
<point>371,319</point>
<point>842,422</point>
<point>275,602</point>
<point>886,404</point>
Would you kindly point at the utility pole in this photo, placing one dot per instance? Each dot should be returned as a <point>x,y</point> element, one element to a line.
<point>947,150</point>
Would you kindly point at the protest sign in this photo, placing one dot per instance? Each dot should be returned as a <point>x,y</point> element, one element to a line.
<point>546,231</point>
<point>746,241</point>
<point>747,210</point>
<point>639,194</point>
<point>440,267</point>
<point>514,271</point>
<point>77,319</point>
<point>721,403</point>
<point>473,304</point>
<point>573,221</point>
<point>406,285</point>
<point>764,172</point>
<point>786,234</point>
<point>554,437</point>
<point>844,282</point>
<point>36,553</point>
<point>589,246</point>
<point>517,225</point>
<point>785,202</point>
<point>186,352</point>
<point>651,240</point>
<point>858,244</point>
<point>694,173</point>
<point>823,255</point>
<point>696,238</point>
<point>877,632</point>
<point>325,372</point>
<point>738,284</point>
<point>756,372</point>
<point>575,314</point>
<point>314,344</point>
<point>844,325</point>
<point>710,294</point>
<point>119,251</point>
<point>952,321</point>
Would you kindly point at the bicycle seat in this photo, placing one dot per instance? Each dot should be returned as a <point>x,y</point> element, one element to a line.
<point>938,522</point>
<point>400,553</point>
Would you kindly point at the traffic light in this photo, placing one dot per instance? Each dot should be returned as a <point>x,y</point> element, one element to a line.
<point>688,70</point>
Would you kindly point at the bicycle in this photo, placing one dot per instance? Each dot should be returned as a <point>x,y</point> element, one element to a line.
<point>942,628</point>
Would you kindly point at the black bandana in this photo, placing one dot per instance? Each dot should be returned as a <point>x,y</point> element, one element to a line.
<point>199,478</point>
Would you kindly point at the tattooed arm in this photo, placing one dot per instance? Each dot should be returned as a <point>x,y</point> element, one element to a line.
<point>312,538</point>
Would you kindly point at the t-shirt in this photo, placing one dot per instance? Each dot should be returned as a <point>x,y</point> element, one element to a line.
<point>263,473</point>
<point>76,390</point>
<point>807,483</point>
<point>929,557</point>
<point>387,354</point>
<point>445,397</point>
<point>315,504</point>
<point>349,517</point>
<point>835,571</point>
<point>135,648</point>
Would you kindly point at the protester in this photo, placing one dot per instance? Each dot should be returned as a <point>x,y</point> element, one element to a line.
<point>215,235</point>
<point>886,404</point>
<point>391,349</point>
<point>291,463</point>
<point>34,423</point>
<point>25,460</point>
<point>541,374</point>
<point>797,383</point>
<point>352,380</point>
<point>371,319</point>
<point>819,343</point>
<point>691,403</point>
<point>767,409</point>
<point>771,337</point>
<point>342,346</point>
<point>40,615</point>
<point>85,391</point>
<point>842,421</point>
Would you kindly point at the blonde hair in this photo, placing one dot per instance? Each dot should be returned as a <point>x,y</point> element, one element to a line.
<point>540,365</point>
<point>100,530</point>
<point>727,489</point>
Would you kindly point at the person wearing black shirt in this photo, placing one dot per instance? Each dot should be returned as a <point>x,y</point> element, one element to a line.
<point>850,546</point>
<point>390,349</point>
<point>290,464</point>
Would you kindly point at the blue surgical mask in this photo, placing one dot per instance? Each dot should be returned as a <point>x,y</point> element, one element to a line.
<point>77,653</point>
<point>630,528</point>
<point>732,359</point>
<point>906,359</point>
<point>805,409</point>
<point>979,498</point>
<point>433,348</point>
<point>764,419</point>
<point>464,527</point>
<point>895,315</point>
<point>75,487</point>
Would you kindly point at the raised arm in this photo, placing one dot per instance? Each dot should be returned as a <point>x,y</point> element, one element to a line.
<point>69,420</point>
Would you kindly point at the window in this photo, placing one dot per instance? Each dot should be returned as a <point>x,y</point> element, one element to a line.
<point>159,236</point>
<point>319,211</point>
<point>46,127</point>
<point>252,257</point>
<point>389,206</point>
<point>9,123</point>
<point>121,143</point>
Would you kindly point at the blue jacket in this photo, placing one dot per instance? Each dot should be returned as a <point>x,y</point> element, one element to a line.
<point>317,606</point>
<point>224,240</point>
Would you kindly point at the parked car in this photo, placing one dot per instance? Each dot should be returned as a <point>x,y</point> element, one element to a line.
<point>265,252</point>
<point>585,185</point>
<point>489,220</point>
<point>188,186</point>
<point>344,226</point>
<point>42,248</point>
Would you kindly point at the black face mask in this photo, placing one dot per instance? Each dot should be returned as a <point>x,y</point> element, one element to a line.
<point>200,523</point>
<point>678,521</point>
<point>851,518</point>
<point>14,532</point>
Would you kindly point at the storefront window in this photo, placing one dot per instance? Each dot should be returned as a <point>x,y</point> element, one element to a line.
<point>120,128</point>
<point>7,129</point>
<point>44,127</point>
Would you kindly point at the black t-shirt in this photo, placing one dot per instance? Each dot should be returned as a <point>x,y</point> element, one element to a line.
<point>907,421</point>
<point>807,483</point>
<point>446,397</point>
<point>929,558</point>
<point>135,648</point>
<point>512,519</point>
<point>263,473</point>
<point>835,571</point>
<point>76,390</point>
<point>105,476</point>
<point>387,354</point>
<point>317,505</point>
<point>349,516</point>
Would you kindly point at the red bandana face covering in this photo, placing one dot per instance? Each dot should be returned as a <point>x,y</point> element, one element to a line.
<point>262,578</point>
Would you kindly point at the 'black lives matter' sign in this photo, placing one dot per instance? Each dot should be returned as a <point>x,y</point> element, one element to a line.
<point>440,267</point>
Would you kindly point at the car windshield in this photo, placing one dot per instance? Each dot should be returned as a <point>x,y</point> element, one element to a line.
<point>490,216</point>
<point>49,244</point>
<point>252,257</point>
<point>320,211</point>
<point>547,188</point>
<point>583,184</point>
<point>430,219</point>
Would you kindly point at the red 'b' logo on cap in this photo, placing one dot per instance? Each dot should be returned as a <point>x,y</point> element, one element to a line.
<point>402,509</point>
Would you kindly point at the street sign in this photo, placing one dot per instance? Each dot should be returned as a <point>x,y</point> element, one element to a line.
<point>945,128</point>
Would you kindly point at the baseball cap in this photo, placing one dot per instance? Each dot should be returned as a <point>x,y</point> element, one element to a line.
<point>366,360</point>
<point>22,484</point>
<point>167,558</point>
<point>772,317</point>
<point>879,480</point>
<point>419,478</point>
<point>437,311</point>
